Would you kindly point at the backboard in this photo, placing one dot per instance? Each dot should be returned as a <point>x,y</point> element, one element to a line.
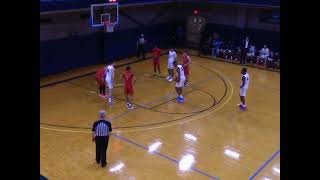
<point>105,12</point>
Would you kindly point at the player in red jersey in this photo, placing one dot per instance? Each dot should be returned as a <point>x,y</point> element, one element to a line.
<point>128,80</point>
<point>186,61</point>
<point>156,59</point>
<point>100,76</point>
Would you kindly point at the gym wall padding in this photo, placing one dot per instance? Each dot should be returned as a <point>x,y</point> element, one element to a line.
<point>72,52</point>
<point>83,50</point>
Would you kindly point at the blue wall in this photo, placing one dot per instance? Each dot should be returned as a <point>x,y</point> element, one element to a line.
<point>78,51</point>
<point>63,54</point>
<point>122,44</point>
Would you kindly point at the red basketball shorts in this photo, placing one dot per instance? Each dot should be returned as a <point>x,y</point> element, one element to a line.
<point>156,62</point>
<point>128,91</point>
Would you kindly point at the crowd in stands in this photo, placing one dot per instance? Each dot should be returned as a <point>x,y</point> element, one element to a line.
<point>241,52</point>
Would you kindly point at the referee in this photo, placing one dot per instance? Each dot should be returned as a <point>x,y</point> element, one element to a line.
<point>100,134</point>
<point>140,47</point>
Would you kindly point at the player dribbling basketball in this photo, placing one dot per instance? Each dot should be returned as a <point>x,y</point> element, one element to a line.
<point>243,88</point>
<point>110,80</point>
<point>128,80</point>
<point>186,61</point>
<point>180,80</point>
<point>171,58</point>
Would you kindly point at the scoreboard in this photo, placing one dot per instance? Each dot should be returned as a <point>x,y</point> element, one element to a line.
<point>195,26</point>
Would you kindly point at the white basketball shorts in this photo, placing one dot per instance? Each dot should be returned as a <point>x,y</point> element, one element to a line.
<point>109,83</point>
<point>170,64</point>
<point>243,91</point>
<point>181,82</point>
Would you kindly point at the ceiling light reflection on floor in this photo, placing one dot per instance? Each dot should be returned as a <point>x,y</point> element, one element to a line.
<point>265,178</point>
<point>232,154</point>
<point>153,147</point>
<point>190,137</point>
<point>117,168</point>
<point>186,162</point>
<point>276,170</point>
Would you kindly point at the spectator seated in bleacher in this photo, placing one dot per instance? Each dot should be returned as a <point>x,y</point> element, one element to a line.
<point>277,60</point>
<point>272,60</point>
<point>264,54</point>
<point>237,54</point>
<point>251,55</point>
<point>278,64</point>
<point>269,61</point>
<point>227,50</point>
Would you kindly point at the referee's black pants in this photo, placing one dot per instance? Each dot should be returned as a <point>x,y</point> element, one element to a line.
<point>101,149</point>
<point>140,51</point>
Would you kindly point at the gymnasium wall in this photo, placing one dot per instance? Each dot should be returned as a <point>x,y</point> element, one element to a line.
<point>63,25</point>
<point>233,22</point>
<point>67,40</point>
<point>72,52</point>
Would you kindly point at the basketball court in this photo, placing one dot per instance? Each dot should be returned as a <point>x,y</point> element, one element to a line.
<point>206,137</point>
<point>225,142</point>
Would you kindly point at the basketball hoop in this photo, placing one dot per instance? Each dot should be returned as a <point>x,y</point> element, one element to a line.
<point>109,26</point>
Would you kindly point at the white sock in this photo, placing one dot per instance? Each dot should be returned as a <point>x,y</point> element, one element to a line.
<point>181,96</point>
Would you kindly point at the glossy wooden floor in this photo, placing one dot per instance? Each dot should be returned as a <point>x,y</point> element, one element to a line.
<point>225,142</point>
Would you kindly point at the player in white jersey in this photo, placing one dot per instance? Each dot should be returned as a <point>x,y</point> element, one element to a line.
<point>180,80</point>
<point>171,58</point>
<point>243,88</point>
<point>110,80</point>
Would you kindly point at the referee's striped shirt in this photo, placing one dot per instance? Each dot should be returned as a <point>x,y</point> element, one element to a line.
<point>102,128</point>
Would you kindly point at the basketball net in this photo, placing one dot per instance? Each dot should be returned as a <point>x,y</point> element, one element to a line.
<point>108,26</point>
